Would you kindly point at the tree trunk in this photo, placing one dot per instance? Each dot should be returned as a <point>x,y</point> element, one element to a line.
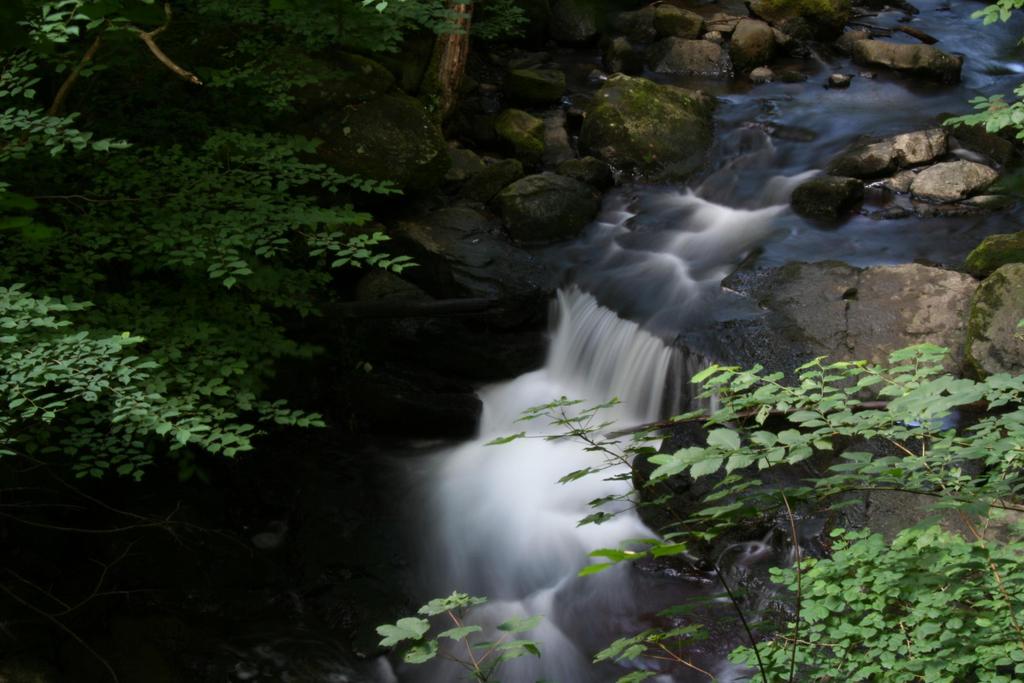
<point>448,65</point>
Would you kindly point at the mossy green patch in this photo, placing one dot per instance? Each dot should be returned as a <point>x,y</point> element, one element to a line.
<point>993,252</point>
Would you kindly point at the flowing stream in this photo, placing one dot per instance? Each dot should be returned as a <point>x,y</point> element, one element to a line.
<point>497,523</point>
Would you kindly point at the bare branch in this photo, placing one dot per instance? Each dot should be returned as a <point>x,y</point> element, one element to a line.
<point>149,38</point>
<point>62,94</point>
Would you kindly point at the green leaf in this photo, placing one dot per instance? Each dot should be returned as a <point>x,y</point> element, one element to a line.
<point>520,625</point>
<point>408,628</point>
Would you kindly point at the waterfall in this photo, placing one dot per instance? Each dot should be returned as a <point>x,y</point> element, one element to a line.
<point>498,524</point>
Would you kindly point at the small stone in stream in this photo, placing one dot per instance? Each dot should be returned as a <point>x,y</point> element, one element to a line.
<point>990,202</point>
<point>597,76</point>
<point>900,183</point>
<point>753,44</point>
<point>923,61</point>
<point>892,213</point>
<point>790,76</point>
<point>827,197</point>
<point>713,36</point>
<point>846,41</point>
<point>952,181</point>
<point>870,75</point>
<point>762,74</point>
<point>839,80</point>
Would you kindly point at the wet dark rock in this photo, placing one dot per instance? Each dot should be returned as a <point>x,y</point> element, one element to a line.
<point>753,44</point>
<point>689,58</point>
<point>465,163</point>
<point>576,22</point>
<point>993,252</point>
<point>674,22</point>
<point>806,19</point>
<point>428,406</point>
<point>546,207</point>
<point>535,86</point>
<point>840,81</point>
<point>722,23</point>
<point>923,61</point>
<point>952,181</point>
<point>827,197</point>
<point>589,170</point>
<point>790,76</point>
<point>660,131</point>
<point>713,37</point>
<point>523,133</point>
<point>392,137</point>
<point>993,338</point>
<point>464,253</point>
<point>620,56</point>
<point>483,186</point>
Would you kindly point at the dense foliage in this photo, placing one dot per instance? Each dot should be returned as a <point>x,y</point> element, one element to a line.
<point>151,271</point>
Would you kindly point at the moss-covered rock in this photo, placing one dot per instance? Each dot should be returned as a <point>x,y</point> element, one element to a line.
<point>392,137</point>
<point>638,25</point>
<point>818,19</point>
<point>497,175</point>
<point>827,197</point>
<point>993,338</point>
<point>993,252</point>
<point>546,208</point>
<point>675,22</point>
<point>523,133</point>
<point>659,131</point>
<point>465,163</point>
<point>535,86</point>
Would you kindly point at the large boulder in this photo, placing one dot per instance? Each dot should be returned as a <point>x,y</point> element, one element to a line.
<point>994,342</point>
<point>952,181</point>
<point>576,22</point>
<point>690,58</point>
<point>461,252</point>
<point>546,208</point>
<point>818,19</point>
<point>881,158</point>
<point>391,137</point>
<point>674,22</point>
<point>344,79</point>
<point>834,309</point>
<point>993,252</point>
<point>638,25</point>
<point>827,197</point>
<point>924,61</point>
<point>753,45</point>
<point>535,86</point>
<point>523,133</point>
<point>660,131</point>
